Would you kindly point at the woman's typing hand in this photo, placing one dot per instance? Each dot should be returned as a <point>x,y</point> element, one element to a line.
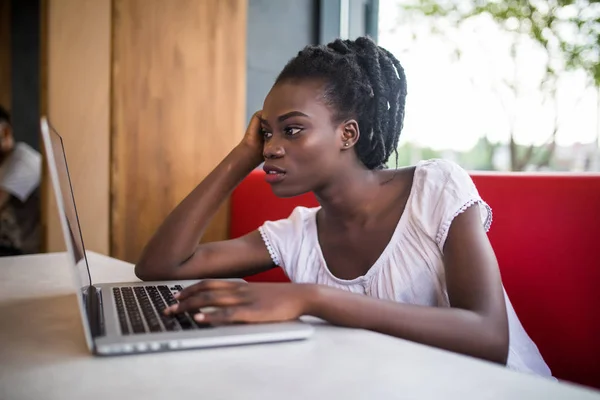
<point>231,301</point>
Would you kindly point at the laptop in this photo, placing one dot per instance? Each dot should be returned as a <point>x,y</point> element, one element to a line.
<point>127,318</point>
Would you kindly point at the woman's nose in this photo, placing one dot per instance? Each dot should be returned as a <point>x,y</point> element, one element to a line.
<point>273,148</point>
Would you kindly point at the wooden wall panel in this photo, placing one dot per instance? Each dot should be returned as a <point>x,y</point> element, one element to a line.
<point>5,57</point>
<point>178,108</point>
<point>77,57</point>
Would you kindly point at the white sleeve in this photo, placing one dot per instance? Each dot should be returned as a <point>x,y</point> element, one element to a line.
<point>457,195</point>
<point>283,238</point>
<point>448,191</point>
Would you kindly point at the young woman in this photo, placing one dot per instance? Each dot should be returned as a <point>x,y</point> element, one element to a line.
<point>403,252</point>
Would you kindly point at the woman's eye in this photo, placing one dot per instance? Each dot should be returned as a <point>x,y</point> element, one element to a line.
<point>266,134</point>
<point>292,131</point>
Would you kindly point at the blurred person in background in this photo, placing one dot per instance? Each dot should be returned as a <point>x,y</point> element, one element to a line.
<point>20,173</point>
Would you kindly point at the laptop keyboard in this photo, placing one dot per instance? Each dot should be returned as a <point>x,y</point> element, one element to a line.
<point>140,310</point>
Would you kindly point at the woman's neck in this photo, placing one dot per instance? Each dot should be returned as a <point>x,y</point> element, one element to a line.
<point>350,198</point>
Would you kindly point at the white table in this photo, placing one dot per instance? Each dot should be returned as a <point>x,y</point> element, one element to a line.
<point>43,356</point>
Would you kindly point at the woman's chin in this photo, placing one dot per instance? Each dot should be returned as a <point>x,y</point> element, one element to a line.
<point>285,191</point>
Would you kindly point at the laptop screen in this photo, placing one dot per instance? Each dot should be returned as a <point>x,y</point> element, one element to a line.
<point>74,237</point>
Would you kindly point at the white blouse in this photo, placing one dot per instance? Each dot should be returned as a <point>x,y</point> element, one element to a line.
<point>410,269</point>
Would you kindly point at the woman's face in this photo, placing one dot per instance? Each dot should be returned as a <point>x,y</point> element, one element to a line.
<point>302,144</point>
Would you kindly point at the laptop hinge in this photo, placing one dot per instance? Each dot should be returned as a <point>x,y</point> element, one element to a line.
<point>93,300</point>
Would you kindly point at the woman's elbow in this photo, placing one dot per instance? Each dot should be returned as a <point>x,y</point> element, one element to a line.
<point>499,354</point>
<point>155,271</point>
<point>498,346</point>
<point>144,273</point>
<point>148,271</point>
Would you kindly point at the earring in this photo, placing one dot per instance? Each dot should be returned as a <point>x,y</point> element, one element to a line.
<point>346,144</point>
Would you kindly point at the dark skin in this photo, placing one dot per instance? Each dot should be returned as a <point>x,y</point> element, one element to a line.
<point>352,242</point>
<point>300,136</point>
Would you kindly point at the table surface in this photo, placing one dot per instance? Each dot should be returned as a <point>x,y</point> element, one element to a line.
<point>43,356</point>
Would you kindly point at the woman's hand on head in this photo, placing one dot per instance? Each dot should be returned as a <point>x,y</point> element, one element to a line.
<point>232,301</point>
<point>253,138</point>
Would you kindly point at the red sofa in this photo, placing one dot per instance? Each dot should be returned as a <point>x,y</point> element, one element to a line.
<point>546,235</point>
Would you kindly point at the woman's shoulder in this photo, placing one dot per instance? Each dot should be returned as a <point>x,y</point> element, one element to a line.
<point>303,213</point>
<point>296,221</point>
<point>439,168</point>
<point>286,237</point>
<point>433,177</point>
<point>442,189</point>
<point>430,174</point>
<point>429,181</point>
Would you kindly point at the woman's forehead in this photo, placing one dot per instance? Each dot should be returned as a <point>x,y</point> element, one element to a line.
<point>304,96</point>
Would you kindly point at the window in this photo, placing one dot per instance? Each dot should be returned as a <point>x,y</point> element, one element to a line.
<point>475,87</point>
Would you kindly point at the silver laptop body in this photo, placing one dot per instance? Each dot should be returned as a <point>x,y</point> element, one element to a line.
<point>126,318</point>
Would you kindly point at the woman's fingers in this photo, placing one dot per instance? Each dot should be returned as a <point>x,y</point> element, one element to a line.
<point>210,298</point>
<point>209,284</point>
<point>221,316</point>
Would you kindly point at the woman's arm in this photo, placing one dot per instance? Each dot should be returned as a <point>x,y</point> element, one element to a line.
<point>475,325</point>
<point>174,251</point>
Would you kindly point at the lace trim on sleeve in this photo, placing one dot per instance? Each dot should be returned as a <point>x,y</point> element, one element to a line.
<point>443,232</point>
<point>270,247</point>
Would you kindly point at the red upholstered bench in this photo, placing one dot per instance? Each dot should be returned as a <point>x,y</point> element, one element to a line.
<point>546,235</point>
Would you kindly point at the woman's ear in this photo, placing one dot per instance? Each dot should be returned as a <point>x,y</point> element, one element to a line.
<point>350,133</point>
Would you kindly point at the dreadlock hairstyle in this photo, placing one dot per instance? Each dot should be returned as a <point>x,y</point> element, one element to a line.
<point>362,81</point>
